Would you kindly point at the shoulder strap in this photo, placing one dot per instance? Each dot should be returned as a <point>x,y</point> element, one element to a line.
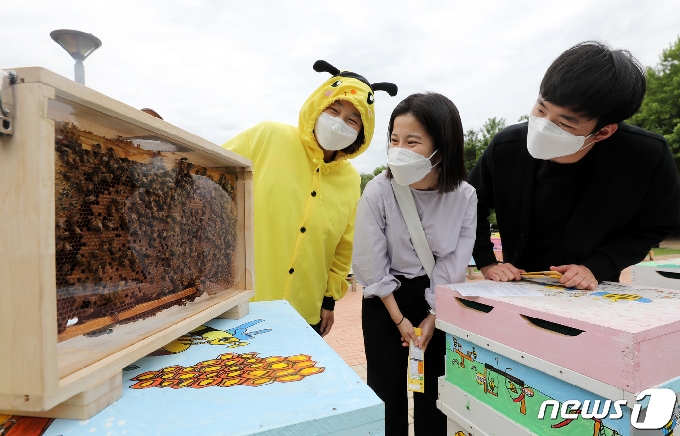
<point>415,227</point>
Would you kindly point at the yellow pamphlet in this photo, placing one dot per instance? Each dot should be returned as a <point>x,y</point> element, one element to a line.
<point>416,366</point>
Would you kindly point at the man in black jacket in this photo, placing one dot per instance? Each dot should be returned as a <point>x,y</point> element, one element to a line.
<point>575,189</point>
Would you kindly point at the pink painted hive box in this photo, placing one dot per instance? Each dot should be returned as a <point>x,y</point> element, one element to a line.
<point>625,336</point>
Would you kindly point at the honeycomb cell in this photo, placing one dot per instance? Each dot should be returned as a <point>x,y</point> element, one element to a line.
<point>135,232</point>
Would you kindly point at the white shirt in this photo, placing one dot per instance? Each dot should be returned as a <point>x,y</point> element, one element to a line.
<point>383,248</point>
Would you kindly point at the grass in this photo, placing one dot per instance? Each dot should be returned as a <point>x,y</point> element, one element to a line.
<point>665,251</point>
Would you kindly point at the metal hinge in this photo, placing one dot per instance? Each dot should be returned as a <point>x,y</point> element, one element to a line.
<point>7,79</point>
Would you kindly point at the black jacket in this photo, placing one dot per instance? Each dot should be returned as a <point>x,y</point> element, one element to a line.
<point>631,203</point>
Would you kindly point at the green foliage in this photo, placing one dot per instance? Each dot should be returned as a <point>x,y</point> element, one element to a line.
<point>660,111</point>
<point>476,141</point>
<point>365,178</point>
<point>492,219</point>
<point>523,118</point>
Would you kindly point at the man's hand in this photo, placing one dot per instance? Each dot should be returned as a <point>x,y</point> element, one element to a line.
<point>327,320</point>
<point>501,272</point>
<point>427,330</point>
<point>576,276</point>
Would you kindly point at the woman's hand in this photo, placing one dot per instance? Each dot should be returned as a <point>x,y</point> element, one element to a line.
<point>407,332</point>
<point>427,330</point>
<point>327,321</point>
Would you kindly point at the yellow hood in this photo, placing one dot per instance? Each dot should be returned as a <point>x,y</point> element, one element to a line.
<point>343,85</point>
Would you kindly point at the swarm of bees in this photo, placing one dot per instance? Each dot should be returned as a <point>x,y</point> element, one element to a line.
<point>130,233</point>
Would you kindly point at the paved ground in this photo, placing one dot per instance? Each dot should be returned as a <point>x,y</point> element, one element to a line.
<point>346,337</point>
<point>671,242</point>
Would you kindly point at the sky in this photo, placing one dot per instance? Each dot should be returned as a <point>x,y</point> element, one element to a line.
<point>216,68</point>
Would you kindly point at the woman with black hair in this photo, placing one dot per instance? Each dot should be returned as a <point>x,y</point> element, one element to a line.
<point>425,162</point>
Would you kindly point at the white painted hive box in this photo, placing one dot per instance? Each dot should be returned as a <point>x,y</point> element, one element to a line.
<point>661,273</point>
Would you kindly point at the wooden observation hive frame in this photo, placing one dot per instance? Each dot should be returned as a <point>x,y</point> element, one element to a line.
<point>119,232</point>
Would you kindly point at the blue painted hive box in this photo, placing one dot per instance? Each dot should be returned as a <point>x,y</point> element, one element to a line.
<point>268,373</point>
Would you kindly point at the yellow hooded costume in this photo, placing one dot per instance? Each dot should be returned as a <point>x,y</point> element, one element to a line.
<point>304,208</point>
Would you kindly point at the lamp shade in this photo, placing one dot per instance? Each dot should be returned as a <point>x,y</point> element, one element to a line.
<point>78,44</point>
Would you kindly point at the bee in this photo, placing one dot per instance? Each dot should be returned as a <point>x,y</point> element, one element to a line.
<point>108,224</point>
<point>100,273</point>
<point>97,147</point>
<point>92,266</point>
<point>133,261</point>
<point>96,225</point>
<point>90,198</point>
<point>65,269</point>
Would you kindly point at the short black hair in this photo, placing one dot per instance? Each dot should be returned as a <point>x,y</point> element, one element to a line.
<point>594,80</point>
<point>440,117</point>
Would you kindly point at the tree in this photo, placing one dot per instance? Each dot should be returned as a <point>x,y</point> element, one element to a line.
<point>365,178</point>
<point>660,111</point>
<point>476,141</point>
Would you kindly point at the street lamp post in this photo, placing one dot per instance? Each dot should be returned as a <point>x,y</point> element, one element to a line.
<point>79,45</point>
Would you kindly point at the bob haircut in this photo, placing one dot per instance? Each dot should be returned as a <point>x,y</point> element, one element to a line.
<point>440,118</point>
<point>593,80</point>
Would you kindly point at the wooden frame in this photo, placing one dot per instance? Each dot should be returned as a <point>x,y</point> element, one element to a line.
<point>38,371</point>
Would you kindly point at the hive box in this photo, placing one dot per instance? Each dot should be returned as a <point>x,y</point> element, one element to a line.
<point>467,416</point>
<point>661,273</point>
<point>120,232</point>
<point>266,374</point>
<point>513,353</point>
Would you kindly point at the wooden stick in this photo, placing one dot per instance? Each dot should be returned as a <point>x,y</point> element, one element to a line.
<point>94,324</point>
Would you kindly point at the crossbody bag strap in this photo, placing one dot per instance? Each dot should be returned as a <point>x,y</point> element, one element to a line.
<point>415,227</point>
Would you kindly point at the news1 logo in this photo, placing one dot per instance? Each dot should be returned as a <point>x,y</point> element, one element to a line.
<point>659,410</point>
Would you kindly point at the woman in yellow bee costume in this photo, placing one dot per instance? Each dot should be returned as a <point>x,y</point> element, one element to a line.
<point>305,194</point>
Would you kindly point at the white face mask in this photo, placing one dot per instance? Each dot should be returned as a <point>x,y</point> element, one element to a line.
<point>407,166</point>
<point>333,133</point>
<point>546,140</point>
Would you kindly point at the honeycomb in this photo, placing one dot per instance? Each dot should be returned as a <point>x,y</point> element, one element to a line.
<point>136,231</point>
<point>231,369</point>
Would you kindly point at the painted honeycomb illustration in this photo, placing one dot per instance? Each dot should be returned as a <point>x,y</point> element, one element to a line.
<point>136,231</point>
<point>231,369</point>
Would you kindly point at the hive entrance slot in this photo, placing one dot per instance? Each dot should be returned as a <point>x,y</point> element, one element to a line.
<point>475,305</point>
<point>553,326</point>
